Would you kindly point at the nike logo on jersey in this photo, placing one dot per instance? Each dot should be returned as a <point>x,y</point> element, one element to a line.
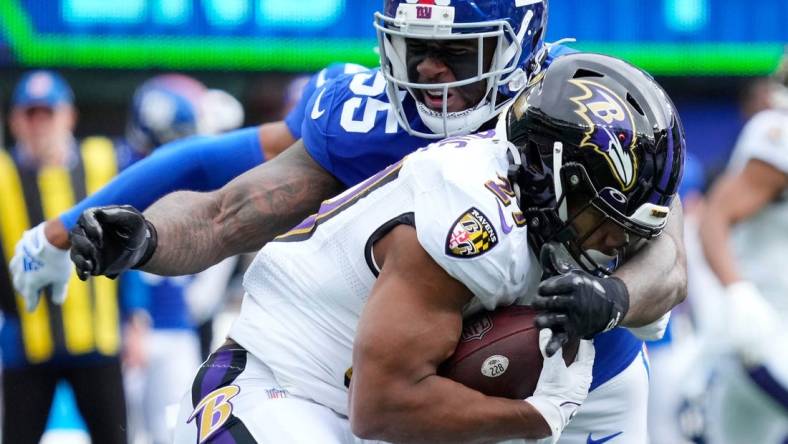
<point>505,227</point>
<point>316,111</point>
<point>601,440</point>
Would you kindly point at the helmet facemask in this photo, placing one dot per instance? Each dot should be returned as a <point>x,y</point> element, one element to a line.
<point>494,52</point>
<point>588,224</point>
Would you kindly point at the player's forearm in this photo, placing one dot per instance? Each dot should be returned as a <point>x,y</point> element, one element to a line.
<point>440,410</point>
<point>187,241</point>
<point>715,229</point>
<point>714,234</point>
<point>197,230</point>
<point>665,258</point>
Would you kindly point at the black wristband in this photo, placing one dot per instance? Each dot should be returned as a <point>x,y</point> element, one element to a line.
<point>619,296</point>
<point>150,246</point>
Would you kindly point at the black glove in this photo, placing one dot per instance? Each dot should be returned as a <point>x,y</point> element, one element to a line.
<point>577,304</point>
<point>109,240</point>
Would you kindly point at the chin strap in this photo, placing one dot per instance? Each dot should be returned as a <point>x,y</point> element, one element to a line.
<point>512,153</point>
<point>558,162</point>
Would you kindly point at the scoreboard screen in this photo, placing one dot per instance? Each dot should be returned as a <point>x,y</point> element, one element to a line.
<point>668,37</point>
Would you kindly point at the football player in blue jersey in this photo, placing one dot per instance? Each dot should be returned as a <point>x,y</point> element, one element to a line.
<point>351,130</point>
<point>600,158</point>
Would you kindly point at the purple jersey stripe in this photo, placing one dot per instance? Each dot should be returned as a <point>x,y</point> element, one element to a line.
<point>330,208</point>
<point>771,386</point>
<point>331,205</point>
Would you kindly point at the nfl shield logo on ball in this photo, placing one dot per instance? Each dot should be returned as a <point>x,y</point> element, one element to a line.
<point>495,366</point>
<point>477,329</point>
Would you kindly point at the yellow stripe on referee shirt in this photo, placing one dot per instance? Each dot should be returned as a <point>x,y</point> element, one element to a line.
<point>36,333</point>
<point>100,160</point>
<point>57,196</point>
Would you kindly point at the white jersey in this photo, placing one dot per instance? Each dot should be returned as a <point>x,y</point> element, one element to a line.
<point>761,241</point>
<point>306,290</point>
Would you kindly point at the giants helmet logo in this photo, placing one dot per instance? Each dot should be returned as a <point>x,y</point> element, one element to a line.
<point>611,129</point>
<point>430,2</point>
<point>425,12</point>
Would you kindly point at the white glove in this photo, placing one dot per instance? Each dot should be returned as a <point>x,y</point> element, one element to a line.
<point>37,264</point>
<point>751,322</point>
<point>561,390</point>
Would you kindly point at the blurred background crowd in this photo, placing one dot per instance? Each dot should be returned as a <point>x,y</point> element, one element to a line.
<point>84,81</point>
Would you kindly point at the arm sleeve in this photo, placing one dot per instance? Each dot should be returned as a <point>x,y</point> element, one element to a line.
<point>196,164</point>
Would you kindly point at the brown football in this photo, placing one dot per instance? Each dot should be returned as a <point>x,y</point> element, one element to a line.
<point>498,353</point>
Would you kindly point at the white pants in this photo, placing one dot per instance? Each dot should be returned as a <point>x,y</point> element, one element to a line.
<point>239,401</point>
<point>154,391</point>
<point>616,412</point>
<point>237,397</point>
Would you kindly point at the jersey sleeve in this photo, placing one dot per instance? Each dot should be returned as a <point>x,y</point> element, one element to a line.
<point>351,130</point>
<point>295,118</point>
<point>462,226</point>
<point>764,138</point>
<point>317,128</point>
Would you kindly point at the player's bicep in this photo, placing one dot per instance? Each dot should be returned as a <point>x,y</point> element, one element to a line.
<point>412,320</point>
<point>741,196</point>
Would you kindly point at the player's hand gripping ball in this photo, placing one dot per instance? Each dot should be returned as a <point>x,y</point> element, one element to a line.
<point>498,353</point>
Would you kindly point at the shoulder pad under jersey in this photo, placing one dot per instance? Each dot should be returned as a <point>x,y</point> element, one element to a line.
<point>467,218</point>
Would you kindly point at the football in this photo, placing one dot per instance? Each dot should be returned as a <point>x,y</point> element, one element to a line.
<point>498,353</point>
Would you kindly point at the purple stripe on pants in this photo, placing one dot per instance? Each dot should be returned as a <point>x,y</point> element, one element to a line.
<point>214,375</point>
<point>223,437</point>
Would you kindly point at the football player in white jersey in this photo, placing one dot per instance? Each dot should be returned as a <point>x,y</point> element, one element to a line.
<point>745,238</point>
<point>452,66</point>
<point>588,160</point>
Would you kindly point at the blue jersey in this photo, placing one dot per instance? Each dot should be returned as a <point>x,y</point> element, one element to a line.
<point>296,116</point>
<point>163,298</point>
<point>351,130</point>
